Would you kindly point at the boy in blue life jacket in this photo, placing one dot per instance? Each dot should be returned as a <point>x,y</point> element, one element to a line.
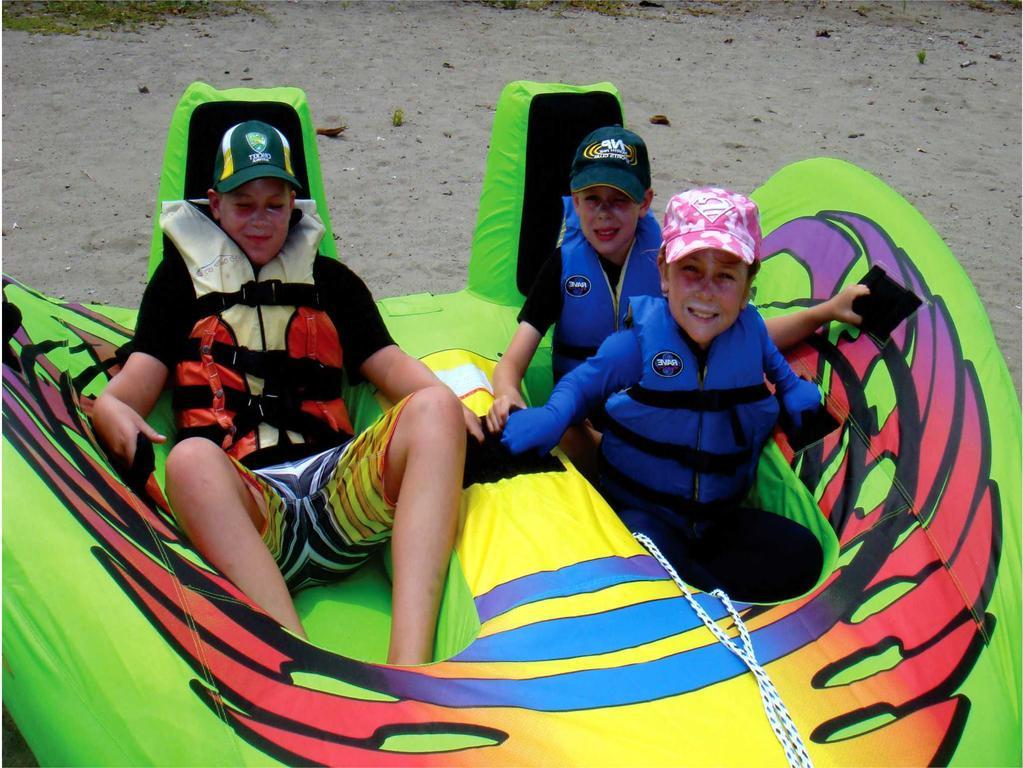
<point>607,256</point>
<point>687,409</point>
<point>251,327</point>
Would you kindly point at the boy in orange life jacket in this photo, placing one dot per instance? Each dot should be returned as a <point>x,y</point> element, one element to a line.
<point>687,410</point>
<point>252,328</point>
<point>584,288</point>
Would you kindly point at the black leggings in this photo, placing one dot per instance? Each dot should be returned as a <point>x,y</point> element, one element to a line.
<point>753,555</point>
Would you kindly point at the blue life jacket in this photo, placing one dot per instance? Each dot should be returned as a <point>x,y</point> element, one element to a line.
<point>590,310</point>
<point>684,438</point>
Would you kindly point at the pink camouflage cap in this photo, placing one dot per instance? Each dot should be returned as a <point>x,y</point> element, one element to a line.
<point>711,218</point>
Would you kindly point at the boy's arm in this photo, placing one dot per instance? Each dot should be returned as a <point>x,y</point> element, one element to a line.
<point>119,414</point>
<point>397,374</point>
<point>508,375</point>
<point>789,330</point>
<point>618,364</point>
<point>539,312</point>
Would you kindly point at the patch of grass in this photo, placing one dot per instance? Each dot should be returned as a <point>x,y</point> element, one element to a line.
<point>70,17</point>
<point>921,56</point>
<point>514,5</point>
<point>603,7</point>
<point>398,118</point>
<point>992,6</point>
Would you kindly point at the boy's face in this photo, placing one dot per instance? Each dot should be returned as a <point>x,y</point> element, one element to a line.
<point>706,291</point>
<point>256,216</point>
<point>608,218</point>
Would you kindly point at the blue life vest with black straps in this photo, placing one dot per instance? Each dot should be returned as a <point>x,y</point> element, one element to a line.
<point>687,438</point>
<point>590,310</point>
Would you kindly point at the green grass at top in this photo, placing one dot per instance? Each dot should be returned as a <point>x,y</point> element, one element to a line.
<point>604,7</point>
<point>69,17</point>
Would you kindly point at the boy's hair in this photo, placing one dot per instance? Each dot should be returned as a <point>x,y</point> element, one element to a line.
<point>712,218</point>
<point>252,150</point>
<point>612,157</point>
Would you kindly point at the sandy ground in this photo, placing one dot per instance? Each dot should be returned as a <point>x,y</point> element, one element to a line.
<point>749,87</point>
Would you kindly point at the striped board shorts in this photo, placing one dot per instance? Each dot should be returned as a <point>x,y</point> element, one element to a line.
<point>328,513</point>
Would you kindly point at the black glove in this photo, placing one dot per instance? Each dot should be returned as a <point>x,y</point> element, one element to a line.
<point>887,304</point>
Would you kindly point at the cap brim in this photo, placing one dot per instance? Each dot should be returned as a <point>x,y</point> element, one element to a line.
<point>609,176</point>
<point>681,246</point>
<point>246,175</point>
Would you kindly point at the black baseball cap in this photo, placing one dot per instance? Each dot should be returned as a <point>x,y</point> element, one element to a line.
<point>614,157</point>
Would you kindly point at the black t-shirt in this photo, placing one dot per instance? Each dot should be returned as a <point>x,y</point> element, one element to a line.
<point>165,317</point>
<point>543,305</point>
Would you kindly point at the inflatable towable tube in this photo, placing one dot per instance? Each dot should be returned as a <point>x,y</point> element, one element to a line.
<point>560,641</point>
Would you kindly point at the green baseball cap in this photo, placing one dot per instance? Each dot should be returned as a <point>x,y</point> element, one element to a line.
<point>252,150</point>
<point>612,157</point>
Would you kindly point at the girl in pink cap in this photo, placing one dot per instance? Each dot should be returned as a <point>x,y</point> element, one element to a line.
<point>688,411</point>
<point>607,255</point>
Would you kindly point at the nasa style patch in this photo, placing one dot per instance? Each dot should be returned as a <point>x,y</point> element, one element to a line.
<point>666,364</point>
<point>577,285</point>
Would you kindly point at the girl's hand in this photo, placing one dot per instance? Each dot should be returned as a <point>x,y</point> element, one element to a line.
<point>839,306</point>
<point>532,429</point>
<point>497,416</point>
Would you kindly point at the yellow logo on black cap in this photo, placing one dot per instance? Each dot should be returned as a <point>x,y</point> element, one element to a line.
<point>611,149</point>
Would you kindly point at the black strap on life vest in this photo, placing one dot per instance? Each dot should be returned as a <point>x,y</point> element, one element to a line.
<point>315,380</point>
<point>673,501</point>
<point>200,396</point>
<point>572,351</point>
<point>280,411</point>
<point>263,293</point>
<point>695,459</point>
<point>699,399</point>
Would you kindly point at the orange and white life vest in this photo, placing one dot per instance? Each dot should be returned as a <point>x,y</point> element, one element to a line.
<point>262,366</point>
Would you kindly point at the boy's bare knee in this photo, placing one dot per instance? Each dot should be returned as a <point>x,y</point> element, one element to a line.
<point>192,456</point>
<point>438,404</point>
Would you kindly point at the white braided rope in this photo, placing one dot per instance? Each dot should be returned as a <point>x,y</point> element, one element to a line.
<point>777,713</point>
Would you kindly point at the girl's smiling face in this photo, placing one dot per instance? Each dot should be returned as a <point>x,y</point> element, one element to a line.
<point>256,216</point>
<point>706,291</point>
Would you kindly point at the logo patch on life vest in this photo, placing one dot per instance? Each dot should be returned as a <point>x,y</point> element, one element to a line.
<point>577,285</point>
<point>666,364</point>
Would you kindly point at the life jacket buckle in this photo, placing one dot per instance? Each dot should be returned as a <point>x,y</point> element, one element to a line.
<point>246,299</point>
<point>272,401</point>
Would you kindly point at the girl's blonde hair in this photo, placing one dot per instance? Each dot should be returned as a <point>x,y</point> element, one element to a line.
<point>751,269</point>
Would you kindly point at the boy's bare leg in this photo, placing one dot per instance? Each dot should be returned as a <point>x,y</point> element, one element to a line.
<point>221,517</point>
<point>425,461</point>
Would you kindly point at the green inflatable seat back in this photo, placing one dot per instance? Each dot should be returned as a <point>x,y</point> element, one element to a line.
<point>537,127</point>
